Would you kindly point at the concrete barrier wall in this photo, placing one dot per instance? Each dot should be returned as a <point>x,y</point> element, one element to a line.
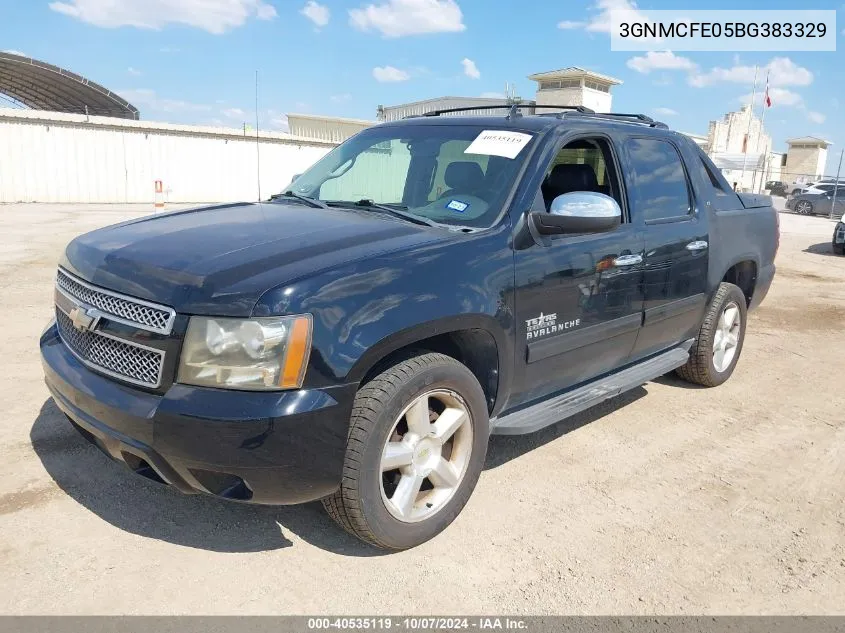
<point>56,157</point>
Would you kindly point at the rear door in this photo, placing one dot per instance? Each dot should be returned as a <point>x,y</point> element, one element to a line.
<point>676,242</point>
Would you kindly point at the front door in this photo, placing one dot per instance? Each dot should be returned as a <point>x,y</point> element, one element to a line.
<point>578,297</point>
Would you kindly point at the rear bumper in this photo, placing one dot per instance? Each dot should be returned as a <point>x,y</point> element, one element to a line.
<point>765,277</point>
<point>270,448</point>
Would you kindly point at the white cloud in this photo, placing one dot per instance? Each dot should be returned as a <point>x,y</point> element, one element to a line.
<point>665,112</point>
<point>319,14</point>
<point>816,117</point>
<point>342,98</point>
<point>390,74</point>
<point>14,52</point>
<point>146,98</point>
<point>133,71</point>
<point>779,97</point>
<point>661,60</point>
<point>233,113</point>
<point>214,16</point>
<point>397,18</point>
<point>492,95</point>
<point>600,21</point>
<point>782,72</point>
<point>280,122</point>
<point>470,69</point>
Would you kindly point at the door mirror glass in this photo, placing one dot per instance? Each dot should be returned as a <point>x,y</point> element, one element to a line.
<point>579,212</point>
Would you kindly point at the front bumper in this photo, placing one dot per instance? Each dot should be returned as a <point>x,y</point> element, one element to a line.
<point>271,448</point>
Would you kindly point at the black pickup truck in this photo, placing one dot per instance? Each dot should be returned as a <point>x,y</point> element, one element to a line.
<point>429,282</point>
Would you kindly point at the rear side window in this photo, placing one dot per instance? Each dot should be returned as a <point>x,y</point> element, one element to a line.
<point>659,188</point>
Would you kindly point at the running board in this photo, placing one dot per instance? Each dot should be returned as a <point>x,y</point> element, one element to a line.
<point>560,407</point>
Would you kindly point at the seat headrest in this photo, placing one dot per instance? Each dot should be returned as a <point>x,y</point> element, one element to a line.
<point>568,178</point>
<point>464,176</point>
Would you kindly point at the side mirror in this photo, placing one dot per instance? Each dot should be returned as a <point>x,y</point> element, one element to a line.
<point>578,212</point>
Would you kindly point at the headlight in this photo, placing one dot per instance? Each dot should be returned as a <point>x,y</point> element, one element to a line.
<point>253,354</point>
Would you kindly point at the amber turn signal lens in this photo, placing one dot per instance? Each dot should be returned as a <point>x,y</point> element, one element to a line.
<point>297,353</point>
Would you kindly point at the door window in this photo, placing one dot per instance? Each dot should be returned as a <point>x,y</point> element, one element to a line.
<point>659,188</point>
<point>582,165</point>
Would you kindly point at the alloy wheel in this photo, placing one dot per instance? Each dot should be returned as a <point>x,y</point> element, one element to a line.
<point>726,340</point>
<point>426,456</point>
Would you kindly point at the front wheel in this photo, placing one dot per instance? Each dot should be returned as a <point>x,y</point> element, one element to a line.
<point>416,447</point>
<point>717,347</point>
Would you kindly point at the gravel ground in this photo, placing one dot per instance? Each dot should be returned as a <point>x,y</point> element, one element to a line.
<point>670,499</point>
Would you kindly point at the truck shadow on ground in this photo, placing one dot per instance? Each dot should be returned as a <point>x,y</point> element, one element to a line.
<point>504,448</point>
<point>139,506</point>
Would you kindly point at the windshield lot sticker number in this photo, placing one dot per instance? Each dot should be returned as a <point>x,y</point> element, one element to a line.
<point>498,143</point>
<point>458,206</point>
<point>546,324</point>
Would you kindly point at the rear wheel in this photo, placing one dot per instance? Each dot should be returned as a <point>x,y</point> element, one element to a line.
<point>716,350</point>
<point>417,444</point>
<point>803,207</point>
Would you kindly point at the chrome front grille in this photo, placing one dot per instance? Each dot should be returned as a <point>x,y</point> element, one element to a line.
<point>117,307</point>
<point>122,359</point>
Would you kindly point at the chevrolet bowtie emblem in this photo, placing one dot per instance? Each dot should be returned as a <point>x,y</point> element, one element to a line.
<point>84,320</point>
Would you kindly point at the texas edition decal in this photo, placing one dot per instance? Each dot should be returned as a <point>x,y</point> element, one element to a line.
<point>546,324</point>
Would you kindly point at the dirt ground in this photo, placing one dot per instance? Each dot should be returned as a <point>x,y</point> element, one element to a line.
<point>670,499</point>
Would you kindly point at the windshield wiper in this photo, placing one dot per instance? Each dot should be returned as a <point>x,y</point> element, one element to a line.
<point>369,204</point>
<point>318,204</point>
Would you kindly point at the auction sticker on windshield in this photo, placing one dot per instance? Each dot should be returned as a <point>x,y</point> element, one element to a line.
<point>498,143</point>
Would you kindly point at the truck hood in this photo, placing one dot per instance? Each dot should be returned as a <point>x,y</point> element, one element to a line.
<point>219,260</point>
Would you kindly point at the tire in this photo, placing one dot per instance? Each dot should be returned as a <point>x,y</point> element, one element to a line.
<point>804,207</point>
<point>838,249</point>
<point>365,504</point>
<point>703,367</point>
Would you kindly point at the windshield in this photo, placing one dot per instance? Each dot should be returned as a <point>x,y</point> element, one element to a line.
<point>451,174</point>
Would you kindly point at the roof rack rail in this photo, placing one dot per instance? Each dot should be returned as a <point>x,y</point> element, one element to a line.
<point>568,111</point>
<point>640,119</point>
<point>512,107</point>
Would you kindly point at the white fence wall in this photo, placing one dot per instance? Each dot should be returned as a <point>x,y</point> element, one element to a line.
<point>55,157</point>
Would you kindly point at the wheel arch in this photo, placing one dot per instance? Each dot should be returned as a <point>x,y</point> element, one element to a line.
<point>476,341</point>
<point>743,273</point>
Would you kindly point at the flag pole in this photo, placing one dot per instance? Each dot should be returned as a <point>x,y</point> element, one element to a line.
<point>763,107</point>
<point>748,131</point>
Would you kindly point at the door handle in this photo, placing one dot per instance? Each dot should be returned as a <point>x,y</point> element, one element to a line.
<point>698,245</point>
<point>628,260</point>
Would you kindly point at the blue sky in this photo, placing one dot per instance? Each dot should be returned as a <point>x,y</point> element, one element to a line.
<point>194,61</point>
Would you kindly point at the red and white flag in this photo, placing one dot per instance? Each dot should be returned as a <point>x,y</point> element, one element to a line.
<point>767,100</point>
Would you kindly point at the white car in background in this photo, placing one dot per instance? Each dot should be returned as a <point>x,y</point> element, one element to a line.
<point>820,186</point>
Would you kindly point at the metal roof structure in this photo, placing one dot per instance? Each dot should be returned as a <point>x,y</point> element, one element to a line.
<point>808,140</point>
<point>42,86</point>
<point>575,72</point>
